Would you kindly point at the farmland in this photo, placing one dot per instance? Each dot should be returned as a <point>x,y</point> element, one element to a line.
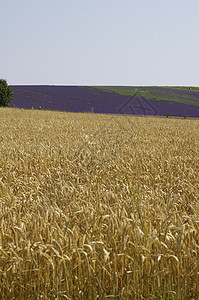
<point>98,206</point>
<point>155,101</point>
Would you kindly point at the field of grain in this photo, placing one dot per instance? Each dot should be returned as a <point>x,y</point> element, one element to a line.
<point>98,206</point>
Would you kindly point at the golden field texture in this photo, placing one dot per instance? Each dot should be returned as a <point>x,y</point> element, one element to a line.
<point>98,206</point>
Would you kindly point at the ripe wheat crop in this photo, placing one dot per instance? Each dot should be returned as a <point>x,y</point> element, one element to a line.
<point>98,206</point>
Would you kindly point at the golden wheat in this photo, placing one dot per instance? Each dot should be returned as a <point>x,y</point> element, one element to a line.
<point>98,206</point>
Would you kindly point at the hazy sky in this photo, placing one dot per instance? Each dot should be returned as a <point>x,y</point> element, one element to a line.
<point>100,42</point>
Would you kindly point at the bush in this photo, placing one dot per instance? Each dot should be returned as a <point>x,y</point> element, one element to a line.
<point>6,93</point>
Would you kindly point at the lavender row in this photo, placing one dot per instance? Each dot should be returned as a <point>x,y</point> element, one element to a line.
<point>85,99</point>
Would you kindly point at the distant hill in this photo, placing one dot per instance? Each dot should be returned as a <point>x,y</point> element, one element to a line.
<point>109,99</point>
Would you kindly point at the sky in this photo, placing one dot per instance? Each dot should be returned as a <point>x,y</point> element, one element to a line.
<point>100,42</point>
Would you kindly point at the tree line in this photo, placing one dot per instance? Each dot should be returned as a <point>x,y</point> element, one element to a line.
<point>6,93</point>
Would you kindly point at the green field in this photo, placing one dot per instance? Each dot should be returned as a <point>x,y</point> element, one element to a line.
<point>158,93</point>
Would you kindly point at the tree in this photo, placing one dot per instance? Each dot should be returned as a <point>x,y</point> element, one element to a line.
<point>6,93</point>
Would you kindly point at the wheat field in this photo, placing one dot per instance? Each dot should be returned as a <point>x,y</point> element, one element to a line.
<point>98,206</point>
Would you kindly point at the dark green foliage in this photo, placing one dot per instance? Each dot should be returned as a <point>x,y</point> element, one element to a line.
<point>6,93</point>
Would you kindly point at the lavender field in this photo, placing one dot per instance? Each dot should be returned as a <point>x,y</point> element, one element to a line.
<point>154,101</point>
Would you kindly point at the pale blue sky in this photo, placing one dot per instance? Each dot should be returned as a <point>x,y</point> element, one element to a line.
<point>105,42</point>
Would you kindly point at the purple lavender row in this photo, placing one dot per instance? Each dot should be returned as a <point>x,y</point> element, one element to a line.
<point>87,99</point>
